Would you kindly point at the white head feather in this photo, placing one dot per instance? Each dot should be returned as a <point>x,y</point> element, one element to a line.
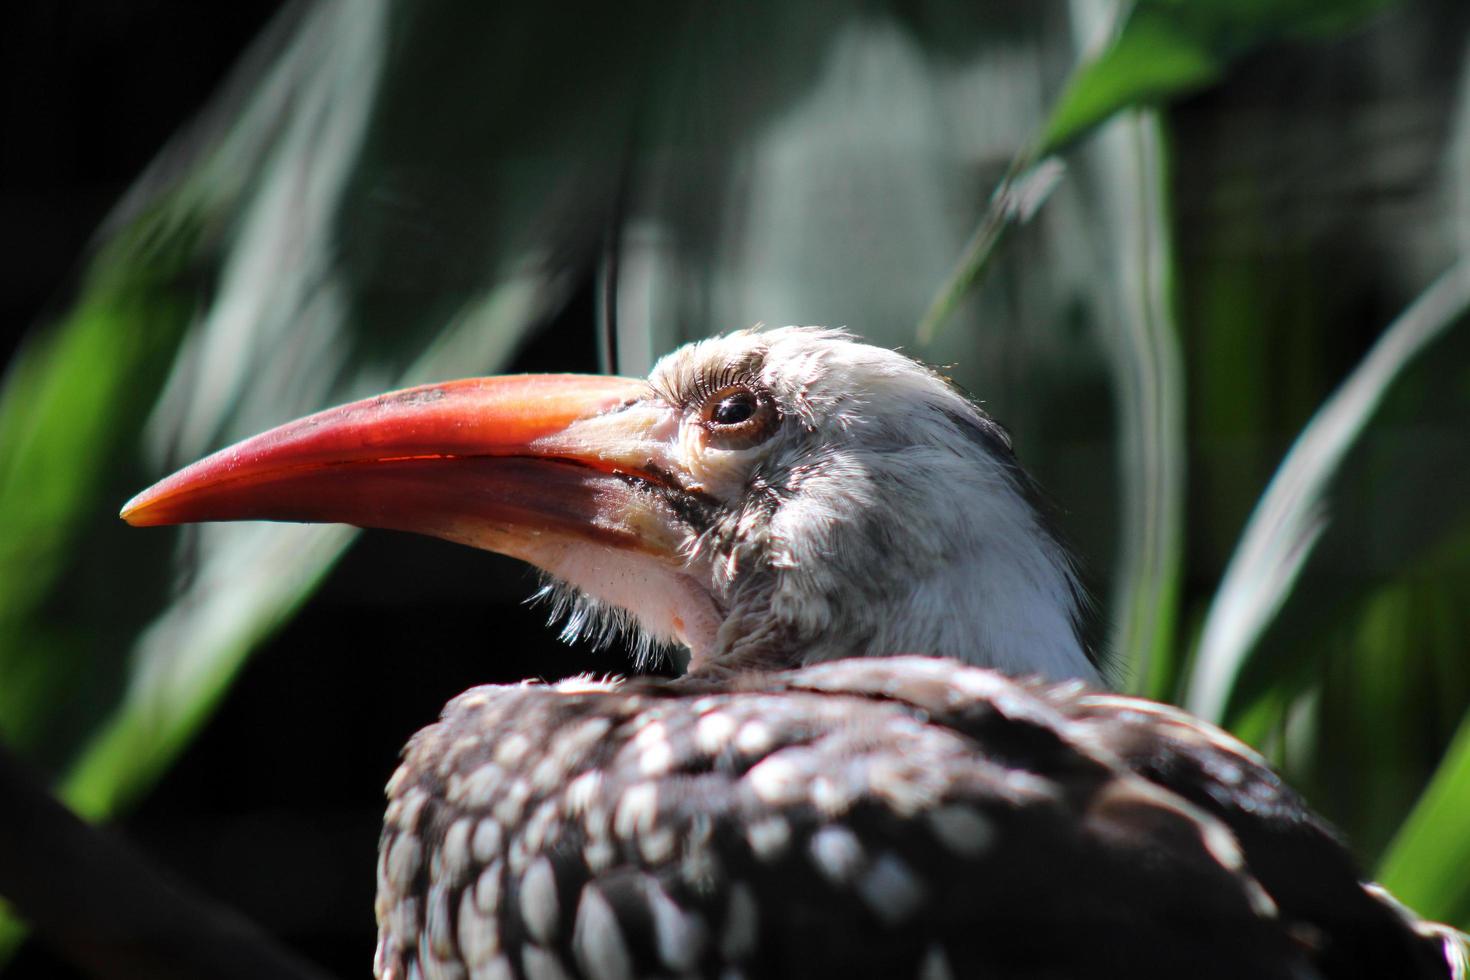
<point>882,513</point>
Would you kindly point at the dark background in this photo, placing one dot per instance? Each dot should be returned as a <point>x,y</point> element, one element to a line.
<point>275,808</point>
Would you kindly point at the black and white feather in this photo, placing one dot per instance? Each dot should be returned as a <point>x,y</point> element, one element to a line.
<point>903,817</point>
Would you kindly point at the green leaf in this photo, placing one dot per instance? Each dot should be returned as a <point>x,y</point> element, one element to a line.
<point>1148,379</point>
<point>1156,55</point>
<point>70,409</point>
<point>1290,516</point>
<point>1425,865</point>
<point>1167,48</point>
<point>1020,194</point>
<point>329,230</point>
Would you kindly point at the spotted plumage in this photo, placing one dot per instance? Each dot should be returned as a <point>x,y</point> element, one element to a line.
<point>887,817</point>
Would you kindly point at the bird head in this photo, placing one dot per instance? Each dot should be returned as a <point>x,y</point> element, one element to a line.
<point>764,499</point>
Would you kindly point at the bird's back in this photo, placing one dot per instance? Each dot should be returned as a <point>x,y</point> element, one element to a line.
<point>882,817</point>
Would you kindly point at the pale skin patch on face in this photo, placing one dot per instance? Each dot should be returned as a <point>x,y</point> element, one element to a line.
<point>721,473</point>
<point>664,596</point>
<point>626,439</point>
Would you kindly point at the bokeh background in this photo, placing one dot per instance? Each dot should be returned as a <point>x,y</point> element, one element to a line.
<point>1209,261</point>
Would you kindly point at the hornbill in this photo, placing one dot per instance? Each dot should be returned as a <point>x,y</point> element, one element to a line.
<point>891,752</point>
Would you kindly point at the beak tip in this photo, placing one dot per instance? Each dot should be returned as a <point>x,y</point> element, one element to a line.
<point>136,511</point>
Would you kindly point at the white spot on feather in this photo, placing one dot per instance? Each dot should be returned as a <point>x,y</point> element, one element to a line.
<point>413,805</point>
<point>454,853</point>
<point>512,802</point>
<point>541,964</point>
<point>439,929</point>
<point>777,781</point>
<point>657,845</point>
<point>511,749</point>
<point>891,889</point>
<point>637,811</point>
<point>597,939</point>
<point>680,934</point>
<point>935,965</point>
<point>581,791</point>
<point>488,888</point>
<point>837,853</point>
<point>475,791</point>
<point>487,840</point>
<point>599,855</point>
<point>404,857</point>
<point>754,738</point>
<point>769,837</point>
<point>961,829</point>
<point>656,760</point>
<point>479,935</point>
<point>400,776</point>
<point>713,732</point>
<point>497,969</point>
<point>832,795</point>
<point>539,905</point>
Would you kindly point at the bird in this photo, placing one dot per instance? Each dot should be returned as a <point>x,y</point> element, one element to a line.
<point>891,751</point>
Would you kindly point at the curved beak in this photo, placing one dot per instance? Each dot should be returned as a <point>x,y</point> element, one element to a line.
<point>522,465</point>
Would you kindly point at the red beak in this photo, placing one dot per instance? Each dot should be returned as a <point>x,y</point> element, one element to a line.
<point>514,464</point>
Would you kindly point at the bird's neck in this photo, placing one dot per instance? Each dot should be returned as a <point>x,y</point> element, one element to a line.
<point>991,593</point>
<point>1018,610</point>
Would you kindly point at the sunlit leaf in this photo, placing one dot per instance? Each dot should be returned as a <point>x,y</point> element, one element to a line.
<point>1155,55</point>
<point>1021,192</point>
<point>1166,48</point>
<point>1291,515</point>
<point>1425,865</point>
<point>69,412</point>
<point>1148,378</point>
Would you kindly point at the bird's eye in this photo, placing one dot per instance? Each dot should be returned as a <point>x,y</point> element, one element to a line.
<point>737,417</point>
<point>734,408</point>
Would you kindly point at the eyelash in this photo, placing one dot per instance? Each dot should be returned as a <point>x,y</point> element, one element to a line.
<point>708,385</point>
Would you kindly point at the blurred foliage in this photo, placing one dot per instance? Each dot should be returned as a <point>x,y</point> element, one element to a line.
<point>389,193</point>
<point>1166,47</point>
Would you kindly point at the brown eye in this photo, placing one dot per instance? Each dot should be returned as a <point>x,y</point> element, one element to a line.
<point>734,408</point>
<point>737,417</point>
